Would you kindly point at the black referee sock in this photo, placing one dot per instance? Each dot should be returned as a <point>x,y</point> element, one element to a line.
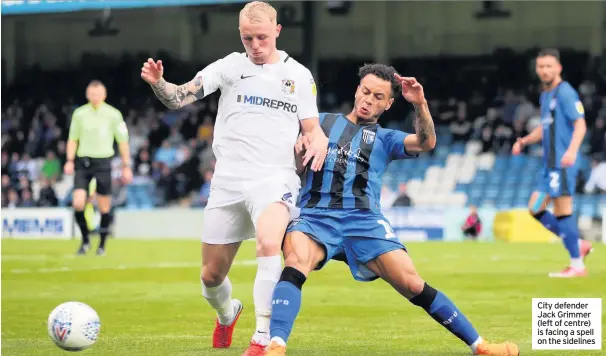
<point>104,229</point>
<point>81,221</point>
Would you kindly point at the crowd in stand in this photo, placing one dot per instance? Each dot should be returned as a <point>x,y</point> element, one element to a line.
<point>495,101</point>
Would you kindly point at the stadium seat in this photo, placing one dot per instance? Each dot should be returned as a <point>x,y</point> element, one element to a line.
<point>457,147</point>
<point>454,159</point>
<point>473,148</point>
<point>486,161</point>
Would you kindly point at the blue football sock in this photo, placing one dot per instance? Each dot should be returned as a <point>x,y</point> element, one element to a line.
<point>549,221</point>
<point>569,232</point>
<point>443,310</point>
<point>286,303</point>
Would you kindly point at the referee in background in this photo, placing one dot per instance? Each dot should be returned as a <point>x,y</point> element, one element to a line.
<point>90,148</point>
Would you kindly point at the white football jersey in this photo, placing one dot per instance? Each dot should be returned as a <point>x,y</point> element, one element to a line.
<point>258,116</point>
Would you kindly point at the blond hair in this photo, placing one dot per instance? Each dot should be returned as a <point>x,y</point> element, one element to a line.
<point>256,11</point>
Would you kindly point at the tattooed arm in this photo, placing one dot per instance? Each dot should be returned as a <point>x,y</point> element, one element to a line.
<point>424,138</point>
<point>175,97</point>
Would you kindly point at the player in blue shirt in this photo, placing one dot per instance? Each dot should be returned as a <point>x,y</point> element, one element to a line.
<point>561,131</point>
<point>341,216</point>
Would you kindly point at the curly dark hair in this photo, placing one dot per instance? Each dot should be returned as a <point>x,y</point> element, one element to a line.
<point>384,72</point>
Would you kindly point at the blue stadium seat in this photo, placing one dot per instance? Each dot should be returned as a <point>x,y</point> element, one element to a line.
<point>500,163</point>
<point>492,193</point>
<point>464,188</point>
<point>457,148</point>
<point>442,151</point>
<point>139,197</point>
<point>477,201</point>
<point>517,162</point>
<point>520,202</point>
<point>508,194</point>
<point>504,204</point>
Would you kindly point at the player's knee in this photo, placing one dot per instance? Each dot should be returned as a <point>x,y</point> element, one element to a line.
<point>268,246</point>
<point>416,284</point>
<point>211,277</point>
<point>105,204</point>
<point>78,204</point>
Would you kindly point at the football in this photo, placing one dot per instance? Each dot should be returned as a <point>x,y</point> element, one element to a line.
<point>74,326</point>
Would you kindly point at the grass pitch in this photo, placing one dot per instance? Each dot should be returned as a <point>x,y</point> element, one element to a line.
<point>147,294</point>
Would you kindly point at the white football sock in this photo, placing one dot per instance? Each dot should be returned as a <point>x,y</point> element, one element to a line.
<point>278,340</point>
<point>577,263</point>
<point>474,346</point>
<point>268,274</point>
<point>219,298</point>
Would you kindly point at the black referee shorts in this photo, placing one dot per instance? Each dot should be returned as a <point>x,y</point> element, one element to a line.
<point>87,168</point>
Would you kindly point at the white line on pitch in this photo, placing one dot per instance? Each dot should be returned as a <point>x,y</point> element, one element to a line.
<point>125,267</point>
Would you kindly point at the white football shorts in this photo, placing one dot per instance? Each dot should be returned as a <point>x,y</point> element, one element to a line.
<point>227,222</point>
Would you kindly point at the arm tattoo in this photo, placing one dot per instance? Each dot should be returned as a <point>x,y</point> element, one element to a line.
<point>175,97</point>
<point>424,127</point>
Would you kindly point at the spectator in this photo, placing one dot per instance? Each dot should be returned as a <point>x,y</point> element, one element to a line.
<point>597,179</point>
<point>158,133</point>
<point>403,198</point>
<point>519,130</point>
<point>461,129</point>
<point>22,184</point>
<point>137,139</point>
<point>524,111</point>
<point>5,162</point>
<point>186,175</point>
<point>205,131</point>
<point>510,107</point>
<point>487,138</point>
<point>175,137</point>
<point>388,197</point>
<point>33,143</point>
<point>6,186</point>
<point>27,167</point>
<point>503,135</point>
<point>205,189</point>
<point>189,127</point>
<point>473,225</point>
<point>165,185</point>
<point>27,201</point>
<point>166,154</point>
<point>13,171</point>
<point>598,137</point>
<point>13,199</point>
<point>61,152</point>
<point>48,198</point>
<point>143,166</point>
<point>51,168</point>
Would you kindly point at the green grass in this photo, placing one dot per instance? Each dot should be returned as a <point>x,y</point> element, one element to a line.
<point>147,294</point>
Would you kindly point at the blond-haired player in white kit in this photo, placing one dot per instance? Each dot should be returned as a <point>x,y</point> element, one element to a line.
<point>266,99</point>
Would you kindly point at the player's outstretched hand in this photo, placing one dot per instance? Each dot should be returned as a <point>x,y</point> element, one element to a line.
<point>152,71</point>
<point>568,159</point>
<point>412,90</point>
<point>517,147</point>
<point>317,149</point>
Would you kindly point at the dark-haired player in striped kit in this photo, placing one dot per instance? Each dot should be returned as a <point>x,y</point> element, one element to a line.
<point>561,132</point>
<point>341,217</point>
